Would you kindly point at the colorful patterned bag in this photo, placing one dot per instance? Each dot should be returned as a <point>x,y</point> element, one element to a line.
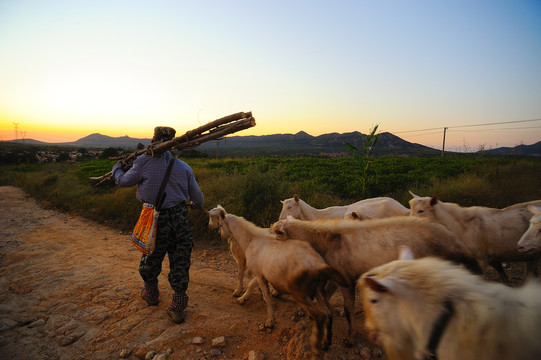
<point>143,235</point>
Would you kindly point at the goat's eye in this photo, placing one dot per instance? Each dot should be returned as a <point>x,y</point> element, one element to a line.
<point>374,301</point>
<point>420,211</point>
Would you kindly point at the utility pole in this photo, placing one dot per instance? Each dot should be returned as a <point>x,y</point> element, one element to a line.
<point>16,130</point>
<point>443,147</point>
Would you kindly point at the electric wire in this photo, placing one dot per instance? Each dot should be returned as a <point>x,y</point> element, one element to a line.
<point>472,125</point>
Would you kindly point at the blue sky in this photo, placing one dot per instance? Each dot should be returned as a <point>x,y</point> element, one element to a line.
<point>71,68</point>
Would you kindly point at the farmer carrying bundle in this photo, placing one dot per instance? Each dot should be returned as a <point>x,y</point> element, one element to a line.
<point>156,171</point>
<point>173,234</point>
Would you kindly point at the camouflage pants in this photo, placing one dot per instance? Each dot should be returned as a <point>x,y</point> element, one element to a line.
<point>174,237</point>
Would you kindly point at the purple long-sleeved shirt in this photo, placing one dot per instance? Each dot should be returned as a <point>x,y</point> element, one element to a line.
<point>147,172</point>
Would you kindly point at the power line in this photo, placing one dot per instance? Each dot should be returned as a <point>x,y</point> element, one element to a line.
<point>501,129</point>
<point>445,128</point>
<point>425,134</point>
<point>408,131</point>
<point>498,123</point>
<point>471,125</point>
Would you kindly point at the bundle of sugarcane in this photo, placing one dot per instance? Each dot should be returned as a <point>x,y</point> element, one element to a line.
<point>211,131</point>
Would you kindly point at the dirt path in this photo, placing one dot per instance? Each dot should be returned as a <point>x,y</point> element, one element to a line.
<point>69,289</point>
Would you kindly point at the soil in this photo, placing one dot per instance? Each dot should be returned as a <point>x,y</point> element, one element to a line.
<point>70,289</point>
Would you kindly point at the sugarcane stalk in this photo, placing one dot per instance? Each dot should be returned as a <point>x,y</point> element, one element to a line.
<point>216,129</point>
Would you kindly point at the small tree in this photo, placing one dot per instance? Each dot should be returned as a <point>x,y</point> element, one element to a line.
<point>362,155</point>
<point>110,152</point>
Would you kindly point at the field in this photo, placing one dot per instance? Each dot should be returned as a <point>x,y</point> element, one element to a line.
<point>253,187</point>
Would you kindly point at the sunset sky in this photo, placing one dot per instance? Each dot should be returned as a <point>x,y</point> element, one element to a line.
<point>76,67</point>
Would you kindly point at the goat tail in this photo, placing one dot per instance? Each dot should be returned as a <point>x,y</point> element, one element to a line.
<point>332,274</point>
<point>310,280</point>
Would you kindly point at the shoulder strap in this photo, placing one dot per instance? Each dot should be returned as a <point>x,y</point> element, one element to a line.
<point>161,193</point>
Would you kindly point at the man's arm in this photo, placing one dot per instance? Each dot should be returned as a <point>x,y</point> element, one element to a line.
<point>129,178</point>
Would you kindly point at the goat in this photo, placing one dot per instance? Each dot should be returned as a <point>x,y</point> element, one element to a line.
<point>432,309</point>
<point>354,247</point>
<point>293,268</point>
<point>236,251</point>
<point>365,209</point>
<point>531,239</point>
<point>491,234</point>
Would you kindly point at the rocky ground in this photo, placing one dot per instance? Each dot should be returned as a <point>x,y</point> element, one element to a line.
<point>69,289</point>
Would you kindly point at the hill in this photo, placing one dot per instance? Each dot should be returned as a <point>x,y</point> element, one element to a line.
<point>301,143</point>
<point>305,144</point>
<point>524,150</point>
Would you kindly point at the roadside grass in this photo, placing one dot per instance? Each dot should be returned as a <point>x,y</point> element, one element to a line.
<point>489,185</point>
<point>253,187</point>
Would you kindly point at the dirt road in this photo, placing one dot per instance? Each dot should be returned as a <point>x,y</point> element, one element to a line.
<point>69,289</point>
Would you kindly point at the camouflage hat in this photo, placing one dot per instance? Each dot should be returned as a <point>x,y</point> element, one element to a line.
<point>163,133</point>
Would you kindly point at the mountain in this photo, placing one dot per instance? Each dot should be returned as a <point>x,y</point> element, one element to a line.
<point>523,150</point>
<point>93,141</point>
<point>102,141</point>
<point>28,142</point>
<point>301,143</point>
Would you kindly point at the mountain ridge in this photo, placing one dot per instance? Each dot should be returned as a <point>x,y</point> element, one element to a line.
<point>301,143</point>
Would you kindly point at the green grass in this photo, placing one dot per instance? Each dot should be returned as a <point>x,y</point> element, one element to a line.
<point>253,187</point>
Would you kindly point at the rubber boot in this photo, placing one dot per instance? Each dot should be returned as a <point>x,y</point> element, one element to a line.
<point>150,293</point>
<point>176,310</point>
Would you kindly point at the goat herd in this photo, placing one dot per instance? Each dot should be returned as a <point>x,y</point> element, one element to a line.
<point>438,306</point>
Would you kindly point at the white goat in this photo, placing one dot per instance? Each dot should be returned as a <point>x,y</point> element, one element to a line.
<point>354,247</point>
<point>491,234</point>
<point>292,267</point>
<point>236,251</point>
<point>234,247</point>
<point>379,207</point>
<point>531,239</point>
<point>432,309</point>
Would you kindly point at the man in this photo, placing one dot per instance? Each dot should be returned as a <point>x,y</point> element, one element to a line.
<point>174,236</point>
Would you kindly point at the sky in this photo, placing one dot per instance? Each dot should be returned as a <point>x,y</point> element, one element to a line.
<point>413,67</point>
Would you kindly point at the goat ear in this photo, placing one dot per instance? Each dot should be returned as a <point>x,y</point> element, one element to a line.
<point>434,200</point>
<point>412,194</point>
<point>296,198</point>
<point>536,210</point>
<point>406,253</point>
<point>375,285</point>
<point>222,214</point>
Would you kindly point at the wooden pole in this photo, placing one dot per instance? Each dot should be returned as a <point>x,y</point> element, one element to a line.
<point>443,147</point>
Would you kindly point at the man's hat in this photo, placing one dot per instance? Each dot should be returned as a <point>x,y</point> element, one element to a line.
<point>163,133</point>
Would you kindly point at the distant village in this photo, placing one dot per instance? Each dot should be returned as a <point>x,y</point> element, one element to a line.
<point>17,153</point>
<point>72,156</point>
<point>12,153</point>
